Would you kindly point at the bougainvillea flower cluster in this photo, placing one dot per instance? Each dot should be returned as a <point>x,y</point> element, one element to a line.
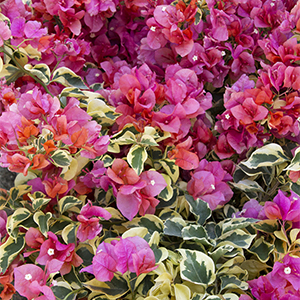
<point>155,146</point>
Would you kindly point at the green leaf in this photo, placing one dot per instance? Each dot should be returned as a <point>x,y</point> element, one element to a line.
<point>61,290</point>
<point>148,140</point>
<point>61,158</point>
<point>72,92</point>
<point>136,158</point>
<point>237,237</point>
<point>10,73</point>
<point>126,139</point>
<point>268,226</point>
<point>69,234</point>
<point>174,226</point>
<point>151,222</point>
<point>42,221</point>
<point>247,186</point>
<point>68,202</point>
<point>171,169</point>
<point>167,193</point>
<point>262,249</point>
<point>199,208</point>
<point>41,71</point>
<point>9,251</point>
<point>268,155</point>
<point>67,77</point>
<point>220,251</point>
<point>232,282</point>
<point>39,202</point>
<point>20,215</point>
<point>238,223</point>
<point>196,232</point>
<point>295,163</point>
<point>197,267</point>
<point>113,289</point>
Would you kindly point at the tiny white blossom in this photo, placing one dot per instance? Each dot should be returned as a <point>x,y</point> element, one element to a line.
<point>272,4</point>
<point>97,75</point>
<point>223,53</point>
<point>152,28</point>
<point>28,276</point>
<point>195,57</point>
<point>287,270</point>
<point>213,187</point>
<point>164,8</point>
<point>50,251</point>
<point>295,198</point>
<point>152,182</point>
<point>227,116</point>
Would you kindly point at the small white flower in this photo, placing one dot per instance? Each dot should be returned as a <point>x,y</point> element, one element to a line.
<point>164,8</point>
<point>97,75</point>
<point>28,276</point>
<point>195,57</point>
<point>295,198</point>
<point>152,28</point>
<point>213,187</point>
<point>152,182</point>
<point>255,31</point>
<point>287,270</point>
<point>272,4</point>
<point>223,53</point>
<point>50,251</point>
<point>92,35</point>
<point>227,116</point>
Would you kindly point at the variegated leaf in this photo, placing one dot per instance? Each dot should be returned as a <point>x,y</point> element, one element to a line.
<point>295,163</point>
<point>9,250</point>
<point>171,169</point>
<point>151,222</point>
<point>41,71</point>
<point>67,77</point>
<point>199,208</point>
<point>113,289</point>
<point>262,249</point>
<point>42,220</point>
<point>174,226</point>
<point>232,282</point>
<point>136,158</point>
<point>68,202</point>
<point>61,158</point>
<point>197,267</point>
<point>268,155</point>
<point>196,232</point>
<point>182,292</point>
<point>237,237</point>
<point>238,223</point>
<point>69,234</point>
<point>13,221</point>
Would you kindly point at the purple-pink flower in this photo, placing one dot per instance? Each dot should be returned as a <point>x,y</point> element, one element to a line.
<point>131,254</point>
<point>89,222</point>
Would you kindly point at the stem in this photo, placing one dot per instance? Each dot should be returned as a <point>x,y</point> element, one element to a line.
<point>26,72</point>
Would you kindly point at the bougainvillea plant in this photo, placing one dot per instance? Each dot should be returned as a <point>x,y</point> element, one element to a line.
<point>157,146</point>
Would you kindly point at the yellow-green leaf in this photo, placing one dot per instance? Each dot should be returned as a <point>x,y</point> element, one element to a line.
<point>69,234</point>
<point>61,158</point>
<point>9,250</point>
<point>42,220</point>
<point>41,71</point>
<point>67,77</point>
<point>136,158</point>
<point>171,169</point>
<point>197,267</point>
<point>68,202</point>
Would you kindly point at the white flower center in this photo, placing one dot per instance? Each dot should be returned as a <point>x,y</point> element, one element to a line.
<point>164,8</point>
<point>97,75</point>
<point>213,187</point>
<point>295,198</point>
<point>223,53</point>
<point>152,182</point>
<point>50,251</point>
<point>272,4</point>
<point>287,270</point>
<point>227,116</point>
<point>152,28</point>
<point>28,276</point>
<point>195,57</point>
<point>92,35</point>
<point>255,31</point>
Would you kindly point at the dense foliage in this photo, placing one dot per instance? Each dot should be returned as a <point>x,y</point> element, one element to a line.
<point>157,146</point>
